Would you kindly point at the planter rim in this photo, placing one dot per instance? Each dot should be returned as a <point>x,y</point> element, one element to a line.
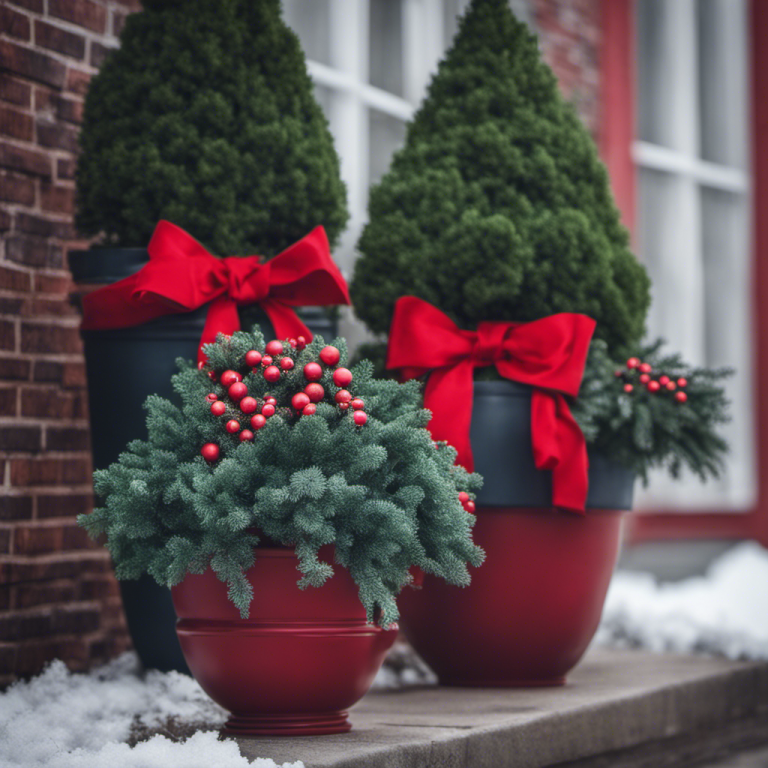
<point>106,264</point>
<point>504,388</point>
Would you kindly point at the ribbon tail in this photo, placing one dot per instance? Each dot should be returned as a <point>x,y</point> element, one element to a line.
<point>448,395</point>
<point>222,317</point>
<point>285,321</point>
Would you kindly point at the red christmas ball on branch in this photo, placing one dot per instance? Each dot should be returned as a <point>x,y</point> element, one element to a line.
<point>330,355</point>
<point>343,406</point>
<point>313,372</point>
<point>286,363</point>
<point>268,410</point>
<point>246,434</point>
<point>238,390</point>
<point>274,348</point>
<point>682,383</point>
<point>258,421</point>
<point>360,417</point>
<point>300,400</point>
<point>248,405</point>
<point>633,362</point>
<point>315,392</point>
<point>644,368</point>
<point>644,378</point>
<point>628,388</point>
<point>252,358</point>
<point>293,343</point>
<point>270,400</point>
<point>211,397</point>
<point>342,377</point>
<point>654,386</point>
<point>463,497</point>
<point>210,451</point>
<point>232,426</point>
<point>663,380</point>
<point>357,404</point>
<point>342,396</point>
<point>671,386</point>
<point>681,397</point>
<point>301,342</point>
<point>228,378</point>
<point>218,408</point>
<point>470,507</point>
<point>272,374</point>
<point>308,410</point>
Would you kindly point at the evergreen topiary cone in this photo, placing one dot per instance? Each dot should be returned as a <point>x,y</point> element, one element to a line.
<point>206,116</point>
<point>497,207</point>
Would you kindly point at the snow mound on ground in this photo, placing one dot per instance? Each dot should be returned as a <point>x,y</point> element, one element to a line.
<point>65,720</point>
<point>724,613</point>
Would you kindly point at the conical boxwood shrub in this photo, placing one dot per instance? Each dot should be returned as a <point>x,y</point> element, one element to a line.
<point>206,116</point>
<point>498,207</point>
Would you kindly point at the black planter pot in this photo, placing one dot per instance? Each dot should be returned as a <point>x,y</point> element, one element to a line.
<point>124,367</point>
<point>500,433</point>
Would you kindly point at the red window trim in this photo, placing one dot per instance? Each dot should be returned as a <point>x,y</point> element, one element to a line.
<point>617,133</point>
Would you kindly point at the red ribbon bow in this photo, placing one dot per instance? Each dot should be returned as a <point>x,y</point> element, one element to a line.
<point>549,354</point>
<point>182,276</point>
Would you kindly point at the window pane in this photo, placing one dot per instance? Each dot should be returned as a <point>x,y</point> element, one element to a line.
<point>387,136</point>
<point>386,45</point>
<point>723,80</point>
<point>310,20</point>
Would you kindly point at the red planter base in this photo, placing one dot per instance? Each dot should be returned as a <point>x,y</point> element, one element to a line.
<point>300,660</point>
<point>532,608</point>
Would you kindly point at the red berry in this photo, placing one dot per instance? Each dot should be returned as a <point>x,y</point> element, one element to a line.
<point>644,378</point>
<point>287,363</point>
<point>463,497</point>
<point>266,360</point>
<point>252,358</point>
<point>308,410</point>
<point>633,362</point>
<point>293,343</point>
<point>618,374</point>
<point>210,451</point>
<point>343,396</point>
<point>315,392</point>
<point>682,383</point>
<point>681,397</point>
<point>360,417</point>
<point>272,374</point>
<point>301,342</point>
<point>274,348</point>
<point>238,390</point>
<point>299,400</point>
<point>313,372</point>
<point>246,434</point>
<point>342,377</point>
<point>330,355</point>
<point>212,375</point>
<point>343,406</point>
<point>628,388</point>
<point>212,397</point>
<point>268,410</point>
<point>357,404</point>
<point>671,386</point>
<point>218,408</point>
<point>248,405</point>
<point>200,365</point>
<point>258,421</point>
<point>644,368</point>
<point>663,380</point>
<point>228,378</point>
<point>470,507</point>
<point>654,386</point>
<point>232,426</point>
<point>270,400</point>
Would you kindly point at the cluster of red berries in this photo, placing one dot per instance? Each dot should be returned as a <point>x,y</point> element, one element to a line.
<point>642,372</point>
<point>466,502</point>
<point>273,364</point>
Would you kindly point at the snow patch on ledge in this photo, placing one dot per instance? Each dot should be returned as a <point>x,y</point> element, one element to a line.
<point>65,720</point>
<point>723,613</point>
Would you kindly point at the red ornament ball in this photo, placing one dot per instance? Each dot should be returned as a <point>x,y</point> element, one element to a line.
<point>274,348</point>
<point>654,386</point>
<point>357,404</point>
<point>200,365</point>
<point>330,355</point>
<point>246,434</point>
<point>342,377</point>
<point>628,388</point>
<point>272,374</point>
<point>218,408</point>
<point>268,410</point>
<point>315,392</point>
<point>299,400</point>
<point>258,421</point>
<point>313,372</point>
<point>270,400</point>
<point>232,426</point>
<point>228,378</point>
<point>211,397</point>
<point>463,497</point>
<point>633,362</point>
<point>644,368</point>
<point>342,396</point>
<point>252,358</point>
<point>287,363</point>
<point>266,360</point>
<point>343,406</point>
<point>212,375</point>
<point>682,383</point>
<point>618,374</point>
<point>301,342</point>
<point>238,390</point>
<point>293,343</point>
<point>308,410</point>
<point>681,397</point>
<point>470,507</point>
<point>248,405</point>
<point>360,417</point>
<point>663,380</point>
<point>210,451</point>
<point>644,378</point>
<point>671,386</point>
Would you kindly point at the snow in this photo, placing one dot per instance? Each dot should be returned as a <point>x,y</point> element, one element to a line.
<point>724,612</point>
<point>65,720</point>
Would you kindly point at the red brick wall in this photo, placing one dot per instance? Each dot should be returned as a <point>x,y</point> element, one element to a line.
<point>57,595</point>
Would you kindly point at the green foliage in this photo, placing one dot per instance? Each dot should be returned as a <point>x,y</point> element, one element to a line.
<point>497,207</point>
<point>206,116</point>
<point>384,494</point>
<point>643,429</point>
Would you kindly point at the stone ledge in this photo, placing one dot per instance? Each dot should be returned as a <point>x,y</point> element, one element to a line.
<point>619,708</point>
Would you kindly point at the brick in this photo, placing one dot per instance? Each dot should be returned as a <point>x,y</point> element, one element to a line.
<point>60,40</point>
<point>78,81</point>
<point>51,567</point>
<point>67,439</point>
<point>65,169</point>
<point>98,588</point>
<point>37,225</point>
<point>8,401</point>
<point>84,13</point>
<point>14,24</point>
<point>46,593</point>
<point>53,283</point>
<point>17,189</point>
<point>31,64</point>
<point>57,199</point>
<point>5,221</point>
<point>39,337</point>
<point>26,472</point>
<point>16,439</point>
<point>25,160</point>
<point>76,619</point>
<point>70,110</point>
<point>15,124</point>
<point>58,307</point>
<point>74,376</point>
<point>9,306</point>
<point>31,5</point>
<point>10,368</point>
<point>75,538</point>
<point>34,251</point>
<point>99,53</point>
<point>6,598</point>
<point>38,539</point>
<point>5,541</point>
<point>57,136</point>
<point>18,626</point>
<point>15,91</point>
<point>15,507</point>
<point>51,403</point>
<point>14,280</point>
<point>48,371</point>
<point>64,505</point>
<point>7,334</point>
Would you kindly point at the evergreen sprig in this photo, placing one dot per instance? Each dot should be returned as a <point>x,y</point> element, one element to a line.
<point>622,418</point>
<point>383,493</point>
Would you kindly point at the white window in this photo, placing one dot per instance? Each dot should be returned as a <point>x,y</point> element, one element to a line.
<point>693,232</point>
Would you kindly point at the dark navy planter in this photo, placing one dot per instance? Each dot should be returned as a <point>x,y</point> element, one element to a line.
<point>501,444</point>
<point>125,366</point>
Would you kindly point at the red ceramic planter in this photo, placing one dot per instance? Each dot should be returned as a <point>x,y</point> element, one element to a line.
<point>297,664</point>
<point>532,608</point>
